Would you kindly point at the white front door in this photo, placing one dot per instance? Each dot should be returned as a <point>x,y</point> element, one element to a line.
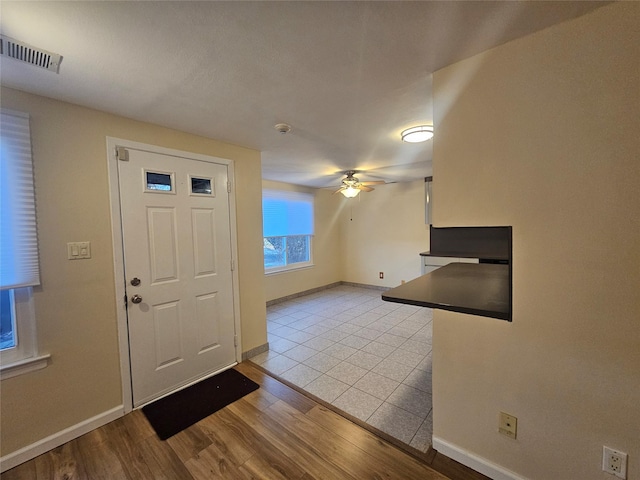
<point>178,270</point>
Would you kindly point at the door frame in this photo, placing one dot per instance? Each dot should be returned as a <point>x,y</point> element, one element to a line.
<point>118,251</point>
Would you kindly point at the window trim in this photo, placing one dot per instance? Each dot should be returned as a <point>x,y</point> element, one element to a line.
<point>16,139</point>
<point>277,270</point>
<point>24,366</point>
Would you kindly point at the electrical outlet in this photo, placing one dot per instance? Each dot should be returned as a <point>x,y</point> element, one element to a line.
<point>507,425</point>
<point>614,461</point>
<point>381,275</point>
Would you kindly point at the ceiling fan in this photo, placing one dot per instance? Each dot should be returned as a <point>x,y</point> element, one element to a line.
<point>351,186</point>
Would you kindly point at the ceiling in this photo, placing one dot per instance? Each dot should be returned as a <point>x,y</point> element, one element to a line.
<point>346,76</point>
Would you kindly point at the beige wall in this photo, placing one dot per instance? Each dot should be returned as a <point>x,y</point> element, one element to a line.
<point>327,254</point>
<point>75,305</point>
<point>384,231</point>
<point>542,134</point>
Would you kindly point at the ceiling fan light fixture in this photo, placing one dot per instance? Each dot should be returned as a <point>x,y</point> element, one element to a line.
<point>350,191</point>
<point>418,134</point>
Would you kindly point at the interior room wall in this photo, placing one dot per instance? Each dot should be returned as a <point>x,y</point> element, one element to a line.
<point>384,231</point>
<point>326,249</point>
<point>76,305</point>
<point>542,134</point>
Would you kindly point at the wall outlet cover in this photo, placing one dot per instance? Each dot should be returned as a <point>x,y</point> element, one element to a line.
<point>614,462</point>
<point>507,425</point>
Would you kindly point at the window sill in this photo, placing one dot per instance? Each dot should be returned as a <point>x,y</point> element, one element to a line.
<point>289,269</point>
<point>24,366</point>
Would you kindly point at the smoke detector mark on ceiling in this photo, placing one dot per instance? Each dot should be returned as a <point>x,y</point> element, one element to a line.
<point>23,52</point>
<point>283,128</point>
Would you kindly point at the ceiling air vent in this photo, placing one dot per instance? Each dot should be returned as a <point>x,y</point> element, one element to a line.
<point>12,48</point>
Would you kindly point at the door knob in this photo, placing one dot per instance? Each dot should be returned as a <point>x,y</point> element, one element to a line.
<point>135,281</point>
<point>136,299</point>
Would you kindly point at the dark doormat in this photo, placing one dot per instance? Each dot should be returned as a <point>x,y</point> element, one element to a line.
<point>180,410</point>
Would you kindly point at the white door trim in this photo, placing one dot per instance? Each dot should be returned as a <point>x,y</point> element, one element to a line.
<point>118,251</point>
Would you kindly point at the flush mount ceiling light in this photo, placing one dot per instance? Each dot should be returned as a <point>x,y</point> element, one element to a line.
<point>418,134</point>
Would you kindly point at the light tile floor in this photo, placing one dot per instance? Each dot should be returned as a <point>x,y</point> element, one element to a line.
<point>365,356</point>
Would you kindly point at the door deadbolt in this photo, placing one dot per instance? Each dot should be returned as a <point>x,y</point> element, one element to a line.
<point>136,299</point>
<point>135,281</point>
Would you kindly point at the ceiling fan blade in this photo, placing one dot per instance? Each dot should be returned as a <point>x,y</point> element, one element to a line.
<point>339,190</point>
<point>375,182</point>
<point>364,188</point>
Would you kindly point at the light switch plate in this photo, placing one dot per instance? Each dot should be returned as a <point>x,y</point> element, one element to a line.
<point>78,250</point>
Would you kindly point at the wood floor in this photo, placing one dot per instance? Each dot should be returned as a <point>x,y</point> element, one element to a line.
<point>272,433</point>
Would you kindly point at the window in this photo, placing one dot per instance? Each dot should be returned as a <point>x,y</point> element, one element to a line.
<point>201,186</point>
<point>17,342</point>
<point>287,219</point>
<point>159,182</point>
<point>7,320</point>
<point>19,269</point>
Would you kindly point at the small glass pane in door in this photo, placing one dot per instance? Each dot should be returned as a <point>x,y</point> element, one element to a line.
<point>201,186</point>
<point>161,182</point>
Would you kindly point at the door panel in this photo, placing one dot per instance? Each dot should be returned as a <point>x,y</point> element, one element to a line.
<point>177,241</point>
<point>162,240</point>
<point>168,335</point>
<point>206,316</point>
<point>204,245</point>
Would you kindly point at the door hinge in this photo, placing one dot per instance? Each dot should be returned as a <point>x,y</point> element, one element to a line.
<point>235,340</point>
<point>122,154</point>
<point>126,301</point>
<point>228,186</point>
<point>233,264</point>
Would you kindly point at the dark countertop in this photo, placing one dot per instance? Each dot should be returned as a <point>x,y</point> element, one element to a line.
<point>429,254</point>
<point>466,254</point>
<point>475,289</point>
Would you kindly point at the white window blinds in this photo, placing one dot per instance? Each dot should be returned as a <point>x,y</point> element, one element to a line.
<point>18,234</point>
<point>286,213</point>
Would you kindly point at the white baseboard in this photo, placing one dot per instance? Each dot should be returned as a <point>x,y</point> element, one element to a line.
<point>479,464</point>
<point>42,446</point>
<point>255,351</point>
